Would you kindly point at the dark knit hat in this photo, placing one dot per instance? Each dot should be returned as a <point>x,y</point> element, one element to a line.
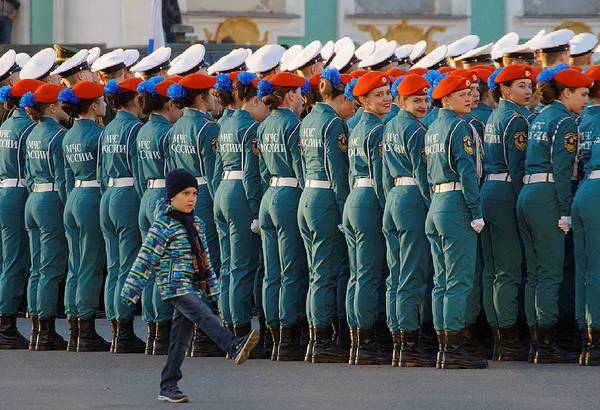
<point>178,180</point>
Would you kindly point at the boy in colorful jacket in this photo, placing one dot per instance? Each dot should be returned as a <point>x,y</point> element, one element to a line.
<point>176,249</point>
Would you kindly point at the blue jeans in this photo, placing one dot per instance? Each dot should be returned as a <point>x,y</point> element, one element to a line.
<point>188,310</point>
<point>5,29</point>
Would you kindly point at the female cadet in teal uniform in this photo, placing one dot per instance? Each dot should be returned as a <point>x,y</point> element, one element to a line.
<point>362,217</point>
<point>192,146</point>
<point>119,207</point>
<point>543,207</point>
<point>355,118</point>
<point>237,199</point>
<point>504,145</point>
<point>45,173</point>
<point>453,220</point>
<point>13,194</point>
<point>404,173</point>
<point>84,102</point>
<point>586,226</point>
<point>324,142</point>
<point>283,251</point>
<point>152,153</point>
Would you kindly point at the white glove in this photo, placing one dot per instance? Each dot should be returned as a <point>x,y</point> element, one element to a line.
<point>255,227</point>
<point>341,228</point>
<point>477,225</point>
<point>564,223</point>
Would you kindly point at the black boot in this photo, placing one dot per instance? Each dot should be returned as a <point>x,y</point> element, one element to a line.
<point>325,349</point>
<point>511,349</point>
<point>163,337</point>
<point>47,338</point>
<point>456,357</point>
<point>592,357</point>
<point>73,334</point>
<point>353,345</point>
<point>439,358</point>
<point>304,330</point>
<point>89,340</point>
<point>383,336</point>
<point>203,346</point>
<point>428,338</point>
<point>533,342</point>
<point>396,350</point>
<point>290,349</point>
<point>274,331</point>
<point>343,335</point>
<point>369,350</point>
<point>471,342</point>
<point>10,338</point>
<point>35,330</point>
<point>151,338</point>
<point>311,345</point>
<point>264,348</point>
<point>113,341</point>
<point>412,354</point>
<point>127,341</point>
<point>497,342</point>
<point>548,350</point>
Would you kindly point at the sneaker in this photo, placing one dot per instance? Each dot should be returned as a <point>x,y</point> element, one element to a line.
<point>247,343</point>
<point>173,395</point>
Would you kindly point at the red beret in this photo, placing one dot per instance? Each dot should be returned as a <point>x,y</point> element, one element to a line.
<point>369,81</point>
<point>418,70</point>
<point>358,73</point>
<point>233,75</point>
<point>514,72</point>
<point>446,70</point>
<point>482,73</point>
<point>593,72</point>
<point>24,86</point>
<point>576,67</point>
<point>314,81</point>
<point>130,84</point>
<point>413,84</point>
<point>535,70</point>
<point>573,79</point>
<point>47,93</point>
<point>286,79</point>
<point>175,78</point>
<point>472,76</point>
<point>197,81</point>
<point>87,90</point>
<point>449,85</point>
<point>395,72</point>
<point>163,87</point>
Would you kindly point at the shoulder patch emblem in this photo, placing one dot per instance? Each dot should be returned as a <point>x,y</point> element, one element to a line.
<point>214,145</point>
<point>520,140</point>
<point>255,149</point>
<point>343,143</point>
<point>571,142</point>
<point>468,145</point>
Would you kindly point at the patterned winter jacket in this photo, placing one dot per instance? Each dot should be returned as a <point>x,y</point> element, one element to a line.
<point>167,251</point>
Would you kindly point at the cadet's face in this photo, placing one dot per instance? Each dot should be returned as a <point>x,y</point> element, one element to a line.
<point>519,92</point>
<point>576,99</point>
<point>347,107</point>
<point>173,112</point>
<point>416,105</point>
<point>458,101</point>
<point>185,201</point>
<point>56,111</point>
<point>258,110</point>
<point>474,94</point>
<point>378,101</point>
<point>296,102</point>
<point>54,79</point>
<point>100,110</point>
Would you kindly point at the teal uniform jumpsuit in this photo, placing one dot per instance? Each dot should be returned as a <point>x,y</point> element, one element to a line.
<point>151,154</point>
<point>454,204</point>
<point>394,110</point>
<point>119,208</point>
<point>505,142</point>
<point>430,116</point>
<point>237,203</point>
<point>45,172</point>
<point>82,219</point>
<point>13,195</point>
<point>283,250</point>
<point>407,201</point>
<point>352,121</point>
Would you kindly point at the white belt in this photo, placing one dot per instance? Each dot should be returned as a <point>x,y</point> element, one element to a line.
<point>499,177</point>
<point>364,183</point>
<point>45,187</point>
<point>201,180</point>
<point>284,181</point>
<point>120,182</point>
<point>399,181</point>
<point>447,187</point>
<point>535,178</point>
<point>314,183</point>
<point>12,183</point>
<point>156,183</point>
<point>233,174</point>
<point>594,174</point>
<point>87,184</point>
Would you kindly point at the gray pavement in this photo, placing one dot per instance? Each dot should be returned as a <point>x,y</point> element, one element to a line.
<point>61,380</point>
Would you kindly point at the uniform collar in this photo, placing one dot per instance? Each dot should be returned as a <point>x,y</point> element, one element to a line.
<point>446,113</point>
<point>592,109</point>
<point>406,115</point>
<point>324,107</point>
<point>158,118</point>
<point>508,105</point>
<point>83,122</point>
<point>369,116</point>
<point>125,115</point>
<point>240,113</point>
<point>483,107</point>
<point>284,112</point>
<point>48,120</point>
<point>561,106</point>
<point>194,112</point>
<point>19,113</point>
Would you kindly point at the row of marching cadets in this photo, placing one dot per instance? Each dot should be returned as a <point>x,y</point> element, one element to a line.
<point>374,235</point>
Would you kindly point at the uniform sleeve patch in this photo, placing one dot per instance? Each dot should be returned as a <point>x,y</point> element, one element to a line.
<point>214,145</point>
<point>343,143</point>
<point>520,140</point>
<point>468,144</point>
<point>255,149</point>
<point>571,142</point>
